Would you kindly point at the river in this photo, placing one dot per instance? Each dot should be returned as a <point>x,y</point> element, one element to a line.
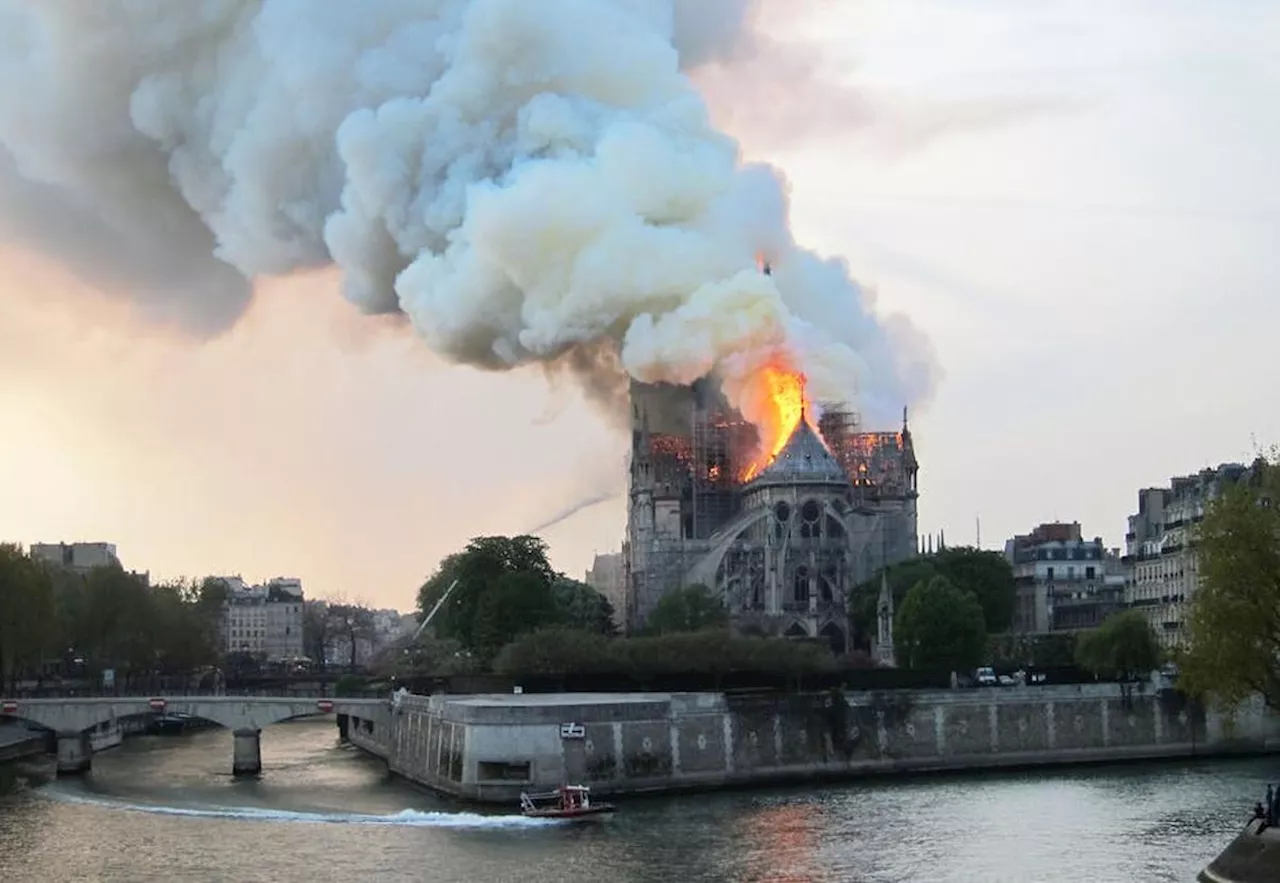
<point>166,808</point>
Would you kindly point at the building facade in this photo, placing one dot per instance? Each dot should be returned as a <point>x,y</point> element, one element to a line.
<point>373,634</point>
<point>1163,571</point>
<point>1062,581</point>
<point>263,620</point>
<point>82,558</point>
<point>608,576</point>
<point>782,546</point>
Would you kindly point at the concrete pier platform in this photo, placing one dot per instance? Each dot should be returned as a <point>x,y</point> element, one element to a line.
<point>1253,857</point>
<point>489,748</point>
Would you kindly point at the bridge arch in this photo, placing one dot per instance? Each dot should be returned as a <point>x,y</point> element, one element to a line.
<point>72,718</point>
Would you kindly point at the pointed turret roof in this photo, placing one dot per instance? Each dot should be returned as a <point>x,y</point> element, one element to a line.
<point>804,459</point>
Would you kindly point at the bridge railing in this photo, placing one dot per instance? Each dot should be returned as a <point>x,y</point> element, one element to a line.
<point>132,691</point>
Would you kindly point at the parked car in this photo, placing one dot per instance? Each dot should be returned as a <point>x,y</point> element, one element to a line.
<point>986,677</point>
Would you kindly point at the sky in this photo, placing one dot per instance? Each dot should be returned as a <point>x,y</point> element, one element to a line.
<point>1079,207</point>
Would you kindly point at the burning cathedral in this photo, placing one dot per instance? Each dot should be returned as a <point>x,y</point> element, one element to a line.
<point>781,535</point>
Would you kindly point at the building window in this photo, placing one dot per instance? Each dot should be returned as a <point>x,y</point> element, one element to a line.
<point>497,771</point>
<point>802,585</point>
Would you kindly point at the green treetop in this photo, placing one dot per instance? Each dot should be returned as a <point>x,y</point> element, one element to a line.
<point>940,627</point>
<point>1233,647</point>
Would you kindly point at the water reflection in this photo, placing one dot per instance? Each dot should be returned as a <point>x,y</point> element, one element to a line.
<point>325,812</point>
<point>781,842</point>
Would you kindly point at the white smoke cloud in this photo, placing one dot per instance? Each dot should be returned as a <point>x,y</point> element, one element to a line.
<point>529,182</point>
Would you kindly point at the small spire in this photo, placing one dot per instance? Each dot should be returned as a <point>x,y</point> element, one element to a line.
<point>904,418</point>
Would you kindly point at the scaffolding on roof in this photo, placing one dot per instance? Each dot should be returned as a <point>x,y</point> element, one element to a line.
<point>720,444</point>
<point>874,461</point>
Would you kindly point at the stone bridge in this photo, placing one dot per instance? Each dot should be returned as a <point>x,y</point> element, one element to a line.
<point>73,718</point>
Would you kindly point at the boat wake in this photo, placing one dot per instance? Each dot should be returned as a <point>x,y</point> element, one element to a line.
<point>407,818</point>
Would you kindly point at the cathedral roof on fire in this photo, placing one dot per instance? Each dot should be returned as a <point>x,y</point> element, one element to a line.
<point>804,459</point>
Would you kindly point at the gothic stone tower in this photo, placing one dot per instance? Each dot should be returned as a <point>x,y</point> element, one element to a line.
<point>784,549</point>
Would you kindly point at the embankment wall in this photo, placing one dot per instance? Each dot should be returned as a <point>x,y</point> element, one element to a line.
<point>491,747</point>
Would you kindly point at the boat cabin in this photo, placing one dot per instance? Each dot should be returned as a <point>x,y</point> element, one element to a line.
<point>567,798</point>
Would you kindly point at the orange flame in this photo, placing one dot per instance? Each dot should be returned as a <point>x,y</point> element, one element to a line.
<point>762,264</point>
<point>777,399</point>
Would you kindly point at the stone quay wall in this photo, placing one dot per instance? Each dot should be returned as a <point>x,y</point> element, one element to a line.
<point>489,748</point>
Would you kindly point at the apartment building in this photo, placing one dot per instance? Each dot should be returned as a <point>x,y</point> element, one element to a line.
<point>263,620</point>
<point>1063,582</point>
<point>81,558</point>
<point>1163,571</point>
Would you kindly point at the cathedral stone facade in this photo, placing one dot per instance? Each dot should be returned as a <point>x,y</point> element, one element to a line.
<point>783,546</point>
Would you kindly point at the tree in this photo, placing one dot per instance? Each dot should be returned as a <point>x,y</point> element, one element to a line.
<point>1233,647</point>
<point>27,614</point>
<point>351,622</point>
<point>1054,650</point>
<point>583,608</point>
<point>940,627</point>
<point>514,603</point>
<point>119,622</point>
<point>438,657</point>
<point>315,631</point>
<point>1122,648</point>
<point>865,597</point>
<point>104,619</point>
<point>984,574</point>
<point>987,575</point>
<point>687,609</point>
<point>715,652</point>
<point>555,651</point>
<point>184,639</point>
<point>503,590</point>
<point>71,604</point>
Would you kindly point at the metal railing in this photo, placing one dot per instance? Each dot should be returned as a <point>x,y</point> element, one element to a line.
<point>130,691</point>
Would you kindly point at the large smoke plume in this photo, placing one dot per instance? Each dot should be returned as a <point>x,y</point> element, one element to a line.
<point>528,182</point>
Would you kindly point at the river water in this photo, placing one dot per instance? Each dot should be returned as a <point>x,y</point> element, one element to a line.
<point>166,808</point>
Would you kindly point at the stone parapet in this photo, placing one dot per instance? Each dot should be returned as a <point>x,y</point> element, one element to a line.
<point>491,747</point>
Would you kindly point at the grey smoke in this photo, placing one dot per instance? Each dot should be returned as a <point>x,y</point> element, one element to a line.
<point>528,182</point>
<point>164,264</point>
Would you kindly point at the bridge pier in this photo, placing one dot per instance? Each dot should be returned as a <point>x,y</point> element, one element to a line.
<point>344,722</point>
<point>246,757</point>
<point>75,753</point>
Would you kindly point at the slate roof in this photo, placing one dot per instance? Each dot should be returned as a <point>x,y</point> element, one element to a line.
<point>804,459</point>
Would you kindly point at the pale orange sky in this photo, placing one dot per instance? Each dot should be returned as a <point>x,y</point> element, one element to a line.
<point>1079,210</point>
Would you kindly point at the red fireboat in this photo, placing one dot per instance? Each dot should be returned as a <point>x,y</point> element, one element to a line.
<point>566,802</point>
